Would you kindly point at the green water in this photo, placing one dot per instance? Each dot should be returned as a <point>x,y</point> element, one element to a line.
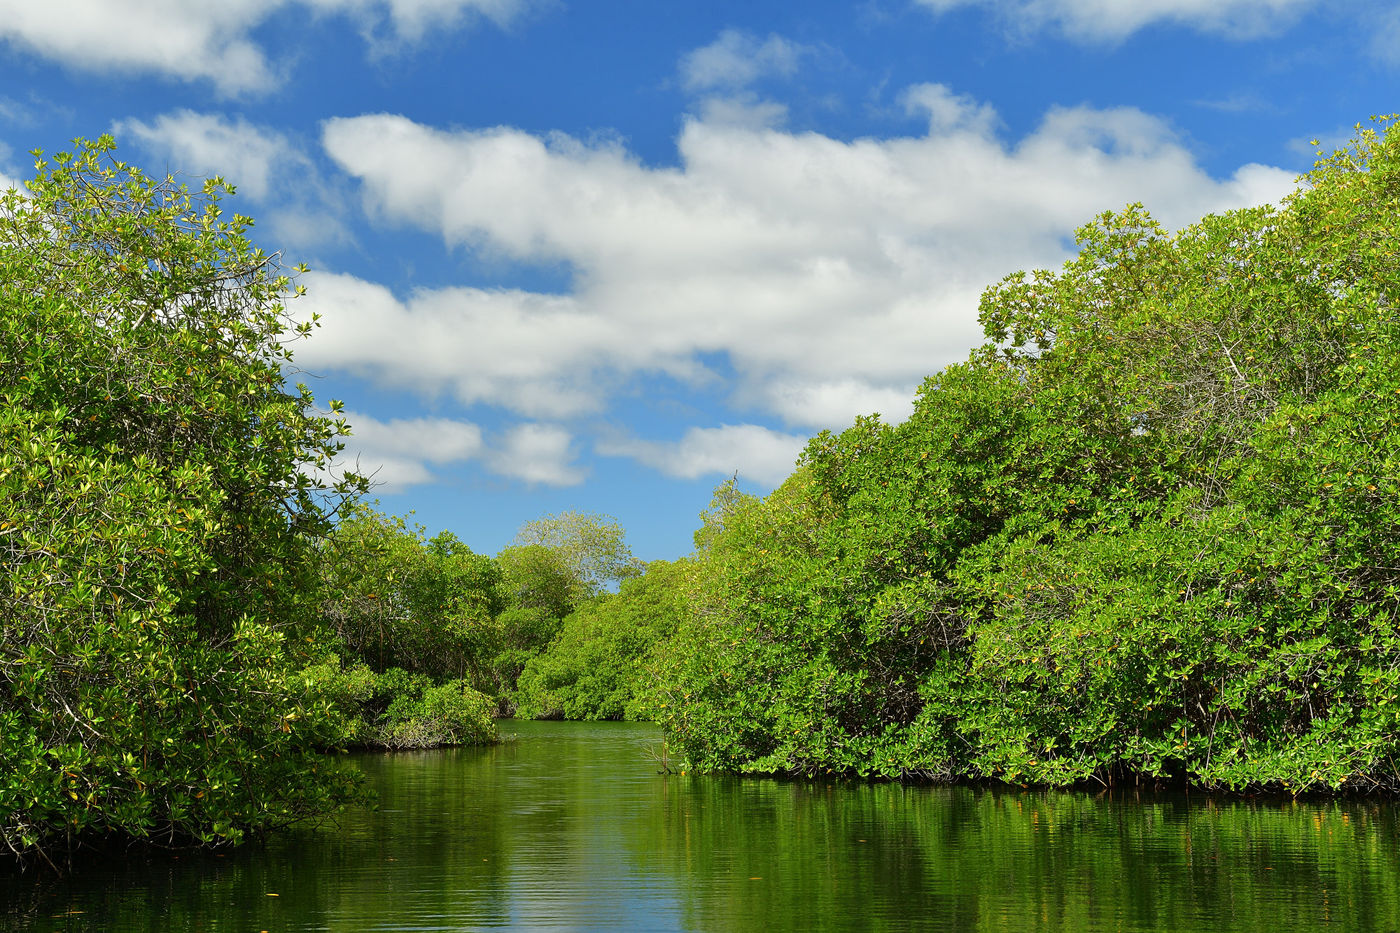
<point>570,827</point>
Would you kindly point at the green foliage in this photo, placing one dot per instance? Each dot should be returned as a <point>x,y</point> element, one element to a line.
<point>791,664</point>
<point>1148,529</point>
<point>400,709</point>
<point>394,598</point>
<point>537,578</point>
<point>588,551</point>
<point>555,565</point>
<point>158,507</point>
<point>524,632</point>
<point>597,666</point>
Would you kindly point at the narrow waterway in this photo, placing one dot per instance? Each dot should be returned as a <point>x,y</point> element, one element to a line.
<point>571,827</point>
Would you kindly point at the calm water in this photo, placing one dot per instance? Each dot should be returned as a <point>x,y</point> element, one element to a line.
<point>570,827</point>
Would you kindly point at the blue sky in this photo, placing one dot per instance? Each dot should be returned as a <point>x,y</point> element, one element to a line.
<point>603,255</point>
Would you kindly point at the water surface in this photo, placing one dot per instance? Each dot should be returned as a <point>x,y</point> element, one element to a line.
<point>571,827</point>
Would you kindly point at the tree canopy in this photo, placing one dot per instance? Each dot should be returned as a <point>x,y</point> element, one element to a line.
<point>161,490</point>
<point>1148,530</point>
<point>590,550</point>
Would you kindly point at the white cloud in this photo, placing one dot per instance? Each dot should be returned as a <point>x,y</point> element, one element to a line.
<point>1113,20</point>
<point>832,275</point>
<point>736,59</point>
<point>436,440</point>
<point>399,452</point>
<point>535,354</point>
<point>949,112</point>
<point>206,40</point>
<point>537,453</point>
<point>411,19</point>
<point>754,452</point>
<point>300,206</point>
<point>6,182</point>
<point>834,402</point>
<point>208,144</point>
<point>403,452</point>
<point>187,40</point>
<point>743,109</point>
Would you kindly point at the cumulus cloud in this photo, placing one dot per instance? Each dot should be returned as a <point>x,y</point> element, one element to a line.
<point>206,41</point>
<point>404,452</point>
<point>743,109</point>
<point>948,112</point>
<point>537,355</point>
<point>400,453</point>
<point>736,59</point>
<point>537,453</point>
<point>833,403</point>
<point>301,207</point>
<point>1113,20</point>
<point>831,276</point>
<point>186,40</point>
<point>213,143</point>
<point>754,452</point>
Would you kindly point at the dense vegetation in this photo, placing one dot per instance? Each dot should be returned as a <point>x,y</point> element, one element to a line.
<point>158,513</point>
<point>1151,529</point>
<point>430,638</point>
<point>595,668</point>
